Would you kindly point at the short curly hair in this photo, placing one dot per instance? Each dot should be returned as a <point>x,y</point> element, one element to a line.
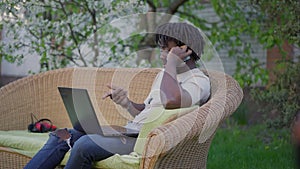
<point>181,34</point>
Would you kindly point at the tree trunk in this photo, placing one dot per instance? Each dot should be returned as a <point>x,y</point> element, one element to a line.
<point>274,55</point>
<point>1,59</point>
<point>0,56</point>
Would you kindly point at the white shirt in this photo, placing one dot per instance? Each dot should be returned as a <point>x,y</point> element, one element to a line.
<point>194,81</point>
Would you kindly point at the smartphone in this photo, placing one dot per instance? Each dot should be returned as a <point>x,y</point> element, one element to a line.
<point>187,58</point>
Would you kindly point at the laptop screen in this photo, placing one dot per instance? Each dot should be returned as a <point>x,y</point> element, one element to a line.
<point>80,110</point>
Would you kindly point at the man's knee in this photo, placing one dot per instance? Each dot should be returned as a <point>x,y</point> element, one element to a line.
<point>83,144</point>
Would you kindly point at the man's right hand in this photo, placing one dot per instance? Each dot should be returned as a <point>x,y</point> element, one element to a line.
<point>178,54</point>
<point>118,95</point>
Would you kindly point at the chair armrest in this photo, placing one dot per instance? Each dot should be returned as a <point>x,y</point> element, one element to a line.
<point>191,134</point>
<point>163,138</point>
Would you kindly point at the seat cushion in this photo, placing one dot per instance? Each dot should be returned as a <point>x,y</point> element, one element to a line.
<point>158,117</point>
<point>28,144</point>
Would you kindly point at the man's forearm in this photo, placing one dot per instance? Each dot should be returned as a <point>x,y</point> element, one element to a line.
<point>135,108</point>
<point>170,89</point>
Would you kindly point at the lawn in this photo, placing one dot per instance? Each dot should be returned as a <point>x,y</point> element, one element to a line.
<point>254,147</point>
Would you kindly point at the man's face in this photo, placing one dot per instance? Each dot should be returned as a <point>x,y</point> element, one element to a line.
<point>164,51</point>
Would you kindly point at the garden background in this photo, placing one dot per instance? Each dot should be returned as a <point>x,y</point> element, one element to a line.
<point>257,42</point>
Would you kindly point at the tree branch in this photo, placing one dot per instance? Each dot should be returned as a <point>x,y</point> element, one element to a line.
<point>67,57</point>
<point>78,4</point>
<point>104,63</point>
<point>175,5</point>
<point>72,33</point>
<point>92,12</point>
<point>32,33</point>
<point>152,6</point>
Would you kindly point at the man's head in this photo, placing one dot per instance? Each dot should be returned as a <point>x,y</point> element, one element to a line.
<point>181,34</point>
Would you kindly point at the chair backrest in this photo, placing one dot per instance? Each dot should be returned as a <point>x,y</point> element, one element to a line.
<point>38,94</point>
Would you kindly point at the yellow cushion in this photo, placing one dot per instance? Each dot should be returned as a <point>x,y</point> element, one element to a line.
<point>28,144</point>
<point>158,117</point>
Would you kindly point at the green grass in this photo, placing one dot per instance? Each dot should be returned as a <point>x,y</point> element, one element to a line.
<point>254,147</point>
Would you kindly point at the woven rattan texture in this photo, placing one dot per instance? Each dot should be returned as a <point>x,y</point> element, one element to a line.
<point>183,143</point>
<point>12,160</point>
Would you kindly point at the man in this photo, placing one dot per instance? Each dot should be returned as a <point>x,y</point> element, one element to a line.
<point>180,84</point>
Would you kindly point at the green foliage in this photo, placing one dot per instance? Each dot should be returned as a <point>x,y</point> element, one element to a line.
<point>280,20</point>
<point>238,22</point>
<point>62,32</point>
<point>231,30</point>
<point>282,97</point>
<point>269,22</point>
<point>79,32</point>
<point>240,115</point>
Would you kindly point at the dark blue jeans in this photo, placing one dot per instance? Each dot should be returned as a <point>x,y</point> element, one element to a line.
<point>85,150</point>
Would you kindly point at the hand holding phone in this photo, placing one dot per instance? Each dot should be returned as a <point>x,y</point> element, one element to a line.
<point>180,52</point>
<point>187,49</point>
<point>187,58</point>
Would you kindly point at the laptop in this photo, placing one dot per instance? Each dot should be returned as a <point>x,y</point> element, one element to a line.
<point>83,116</point>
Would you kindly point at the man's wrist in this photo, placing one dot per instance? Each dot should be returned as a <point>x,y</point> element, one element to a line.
<point>171,69</point>
<point>174,59</point>
<point>129,104</point>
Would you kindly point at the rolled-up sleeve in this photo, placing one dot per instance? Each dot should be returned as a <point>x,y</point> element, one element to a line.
<point>198,86</point>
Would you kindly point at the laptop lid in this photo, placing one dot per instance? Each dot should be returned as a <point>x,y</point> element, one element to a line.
<point>82,114</point>
<point>80,110</point>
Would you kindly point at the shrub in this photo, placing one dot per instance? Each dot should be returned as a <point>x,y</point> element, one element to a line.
<point>282,96</point>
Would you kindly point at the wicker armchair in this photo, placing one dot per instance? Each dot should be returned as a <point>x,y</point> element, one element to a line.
<point>181,143</point>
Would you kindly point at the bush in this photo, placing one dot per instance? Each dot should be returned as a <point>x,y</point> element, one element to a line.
<point>281,97</point>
